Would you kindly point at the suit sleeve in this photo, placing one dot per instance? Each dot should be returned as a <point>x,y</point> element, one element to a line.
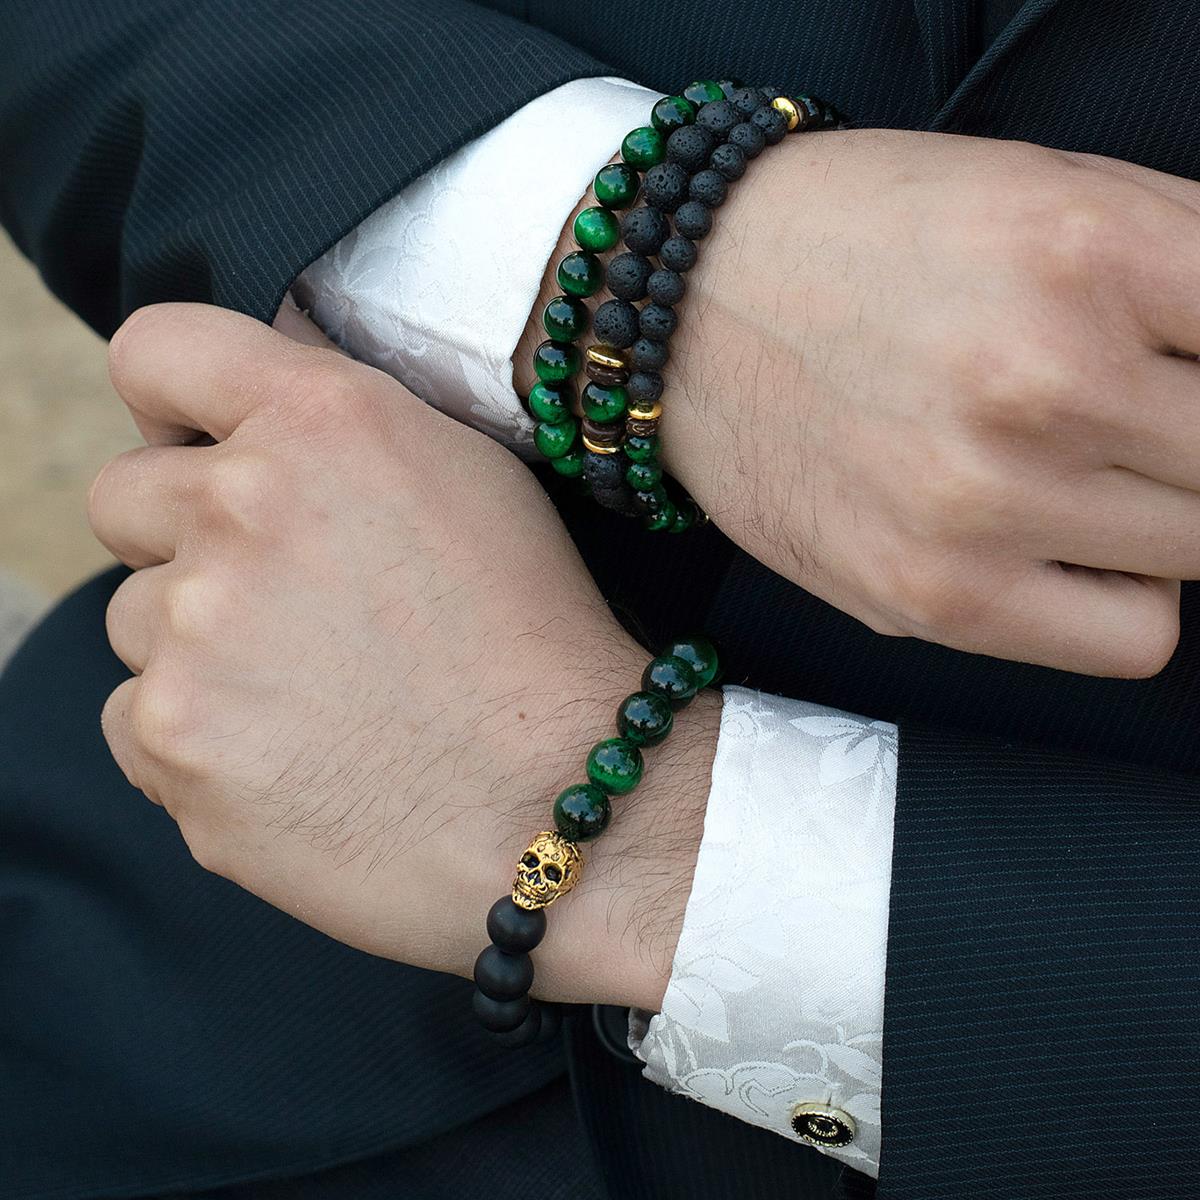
<point>210,149</point>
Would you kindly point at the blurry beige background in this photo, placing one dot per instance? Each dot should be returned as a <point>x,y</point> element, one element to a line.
<point>59,421</point>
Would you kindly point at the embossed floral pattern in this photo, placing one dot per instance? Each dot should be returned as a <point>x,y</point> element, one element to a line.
<point>776,991</point>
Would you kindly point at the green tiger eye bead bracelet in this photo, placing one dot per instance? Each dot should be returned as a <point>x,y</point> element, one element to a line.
<point>552,864</point>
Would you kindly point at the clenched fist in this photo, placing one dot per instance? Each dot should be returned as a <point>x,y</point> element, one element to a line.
<point>366,658</point>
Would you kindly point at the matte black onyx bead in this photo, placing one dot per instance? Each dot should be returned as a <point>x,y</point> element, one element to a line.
<point>515,929</point>
<point>645,229</point>
<point>501,975</point>
<point>746,101</point>
<point>551,1021</point>
<point>658,322</point>
<point>771,123</point>
<point>718,118</point>
<point>649,356</point>
<point>616,323</point>
<point>748,138</point>
<point>665,186</point>
<point>500,1015</point>
<point>628,275</point>
<point>677,254</point>
<point>671,677</point>
<point>690,147</point>
<point>645,386</point>
<point>728,161</point>
<point>526,1033</point>
<point>708,187</point>
<point>693,220</point>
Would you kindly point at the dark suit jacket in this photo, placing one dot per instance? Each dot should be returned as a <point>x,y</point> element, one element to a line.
<point>1042,1021</point>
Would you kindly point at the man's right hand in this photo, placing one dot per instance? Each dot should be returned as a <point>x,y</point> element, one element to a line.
<point>938,382</point>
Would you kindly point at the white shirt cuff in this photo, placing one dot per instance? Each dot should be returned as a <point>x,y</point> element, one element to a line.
<point>436,287</point>
<point>776,990</point>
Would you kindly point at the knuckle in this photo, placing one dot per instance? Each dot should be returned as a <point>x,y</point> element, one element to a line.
<point>161,719</point>
<point>931,600</point>
<point>195,607</point>
<point>1076,238</point>
<point>136,337</point>
<point>1020,385</point>
<point>243,490</point>
<point>332,398</point>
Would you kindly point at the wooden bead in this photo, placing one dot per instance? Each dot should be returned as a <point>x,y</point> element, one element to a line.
<point>636,427</point>
<point>608,376</point>
<point>602,439</point>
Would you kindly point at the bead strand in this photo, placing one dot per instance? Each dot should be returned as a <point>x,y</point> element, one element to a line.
<point>552,864</point>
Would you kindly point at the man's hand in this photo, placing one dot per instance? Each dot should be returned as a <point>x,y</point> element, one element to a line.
<point>917,374</point>
<point>367,658</point>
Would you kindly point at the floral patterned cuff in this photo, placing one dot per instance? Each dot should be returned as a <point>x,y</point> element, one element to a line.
<point>774,1010</point>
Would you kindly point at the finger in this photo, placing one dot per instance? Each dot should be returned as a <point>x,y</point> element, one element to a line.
<point>1120,520</point>
<point>188,368</point>
<point>136,503</point>
<point>296,324</point>
<point>117,726</point>
<point>134,616</point>
<point>1159,433</point>
<point>1075,619</point>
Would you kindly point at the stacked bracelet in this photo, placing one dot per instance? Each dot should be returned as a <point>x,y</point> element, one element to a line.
<point>552,864</point>
<point>696,145</point>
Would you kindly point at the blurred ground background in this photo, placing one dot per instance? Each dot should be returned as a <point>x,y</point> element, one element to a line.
<point>59,422</point>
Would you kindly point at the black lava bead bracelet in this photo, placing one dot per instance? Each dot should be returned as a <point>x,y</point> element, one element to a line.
<point>552,863</point>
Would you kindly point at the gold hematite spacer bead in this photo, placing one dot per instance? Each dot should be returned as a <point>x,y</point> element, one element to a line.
<point>642,412</point>
<point>787,106</point>
<point>605,356</point>
<point>550,867</point>
<point>588,444</point>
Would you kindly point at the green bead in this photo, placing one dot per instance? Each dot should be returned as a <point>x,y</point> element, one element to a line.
<point>703,91</point>
<point>661,519</point>
<point>643,476</point>
<point>582,812</point>
<point>615,765</point>
<point>699,654</point>
<point>616,185</point>
<point>580,274</point>
<point>640,449</point>
<point>555,362</point>
<point>655,497</point>
<point>671,113</point>
<point>604,404</point>
<point>596,229</point>
<point>550,402</point>
<point>644,148</point>
<point>566,318</point>
<point>645,718</point>
<point>569,465</point>
<point>554,440</point>
<point>685,518</point>
<point>671,677</point>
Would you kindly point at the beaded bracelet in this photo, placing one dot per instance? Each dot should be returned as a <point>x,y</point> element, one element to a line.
<point>552,864</point>
<point>697,143</point>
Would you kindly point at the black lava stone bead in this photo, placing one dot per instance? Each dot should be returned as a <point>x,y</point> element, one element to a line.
<point>748,138</point>
<point>645,386</point>
<point>746,101</point>
<point>718,118</point>
<point>644,229</point>
<point>515,929</point>
<point>708,187</point>
<point>665,185</point>
<point>649,356</point>
<point>500,1015</point>
<point>503,976</point>
<point>677,254</point>
<point>616,323</point>
<point>666,287</point>
<point>690,147</point>
<point>693,220</point>
<point>771,123</point>
<point>604,471</point>
<point>769,93</point>
<point>658,322</point>
<point>728,161</point>
<point>628,275</point>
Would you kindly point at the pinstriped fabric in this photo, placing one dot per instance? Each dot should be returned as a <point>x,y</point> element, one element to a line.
<point>1043,974</point>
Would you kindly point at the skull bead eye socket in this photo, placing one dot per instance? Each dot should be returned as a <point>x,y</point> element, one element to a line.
<point>530,860</point>
<point>553,873</point>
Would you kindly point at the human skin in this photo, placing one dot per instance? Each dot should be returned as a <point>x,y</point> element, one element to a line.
<point>367,658</point>
<point>940,382</point>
